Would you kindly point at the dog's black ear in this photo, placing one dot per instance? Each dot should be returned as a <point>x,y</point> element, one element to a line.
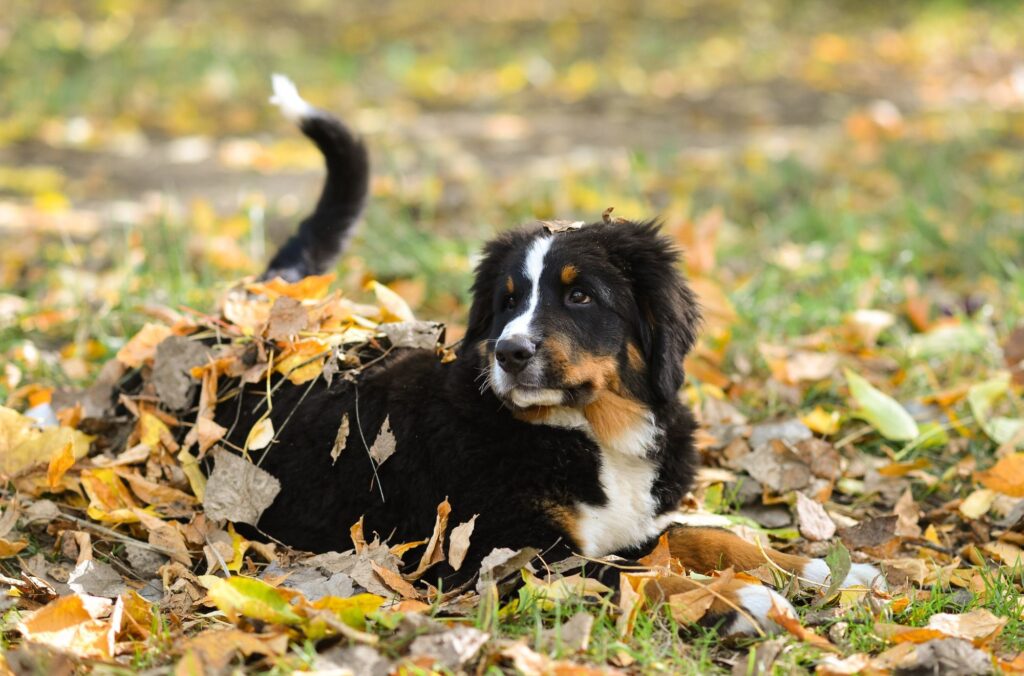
<point>669,317</point>
<point>489,274</point>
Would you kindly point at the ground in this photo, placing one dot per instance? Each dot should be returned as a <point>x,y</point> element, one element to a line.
<point>843,177</point>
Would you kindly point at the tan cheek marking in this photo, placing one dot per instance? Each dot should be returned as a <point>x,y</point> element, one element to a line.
<point>569,274</point>
<point>635,359</point>
<point>510,286</point>
<point>533,414</point>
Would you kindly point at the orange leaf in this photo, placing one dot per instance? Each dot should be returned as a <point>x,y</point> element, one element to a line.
<point>791,624</point>
<point>60,463</point>
<point>1006,476</point>
<point>68,625</point>
<point>142,347</point>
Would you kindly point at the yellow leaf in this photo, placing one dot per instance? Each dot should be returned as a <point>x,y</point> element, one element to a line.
<point>22,446</point>
<point>109,499</point>
<point>261,434</point>
<point>60,463</point>
<point>352,610</point>
<point>313,287</point>
<point>977,504</point>
<point>393,307</point>
<point>821,421</point>
<point>151,429</point>
<point>194,474</point>
<point>250,597</point>
<point>8,548</point>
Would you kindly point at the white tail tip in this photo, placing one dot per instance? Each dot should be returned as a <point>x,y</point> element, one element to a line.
<point>286,97</point>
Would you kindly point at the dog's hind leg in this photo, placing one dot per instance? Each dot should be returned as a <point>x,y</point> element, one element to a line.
<point>322,236</point>
<point>704,550</point>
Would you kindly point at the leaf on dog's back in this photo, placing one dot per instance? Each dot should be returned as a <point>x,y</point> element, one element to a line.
<point>238,490</point>
<point>384,445</point>
<point>435,547</point>
<point>142,346</point>
<point>287,318</point>
<point>340,438</point>
<point>393,307</point>
<point>261,434</point>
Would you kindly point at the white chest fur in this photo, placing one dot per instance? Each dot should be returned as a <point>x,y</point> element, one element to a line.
<point>629,515</point>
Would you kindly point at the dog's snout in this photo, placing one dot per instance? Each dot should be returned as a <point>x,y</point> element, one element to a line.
<point>514,353</point>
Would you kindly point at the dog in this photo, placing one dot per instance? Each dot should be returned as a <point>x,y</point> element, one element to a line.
<point>558,426</point>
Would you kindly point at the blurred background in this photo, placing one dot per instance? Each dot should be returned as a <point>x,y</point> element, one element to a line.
<point>817,161</point>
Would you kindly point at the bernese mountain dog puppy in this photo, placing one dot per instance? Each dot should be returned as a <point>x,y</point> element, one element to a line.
<point>559,425</point>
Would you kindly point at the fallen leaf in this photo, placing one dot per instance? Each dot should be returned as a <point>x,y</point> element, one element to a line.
<point>287,318</point>
<point>435,546</point>
<point>209,433</point>
<point>908,513</point>
<point>216,647</point>
<point>9,549</point>
<point>174,360</point>
<point>395,581</point>
<point>393,307</point>
<point>458,543</point>
<point>23,446</point>
<point>880,410</point>
<point>96,578</point>
<point>982,399</point>
<point>143,345</point>
<point>250,597</point>
<point>417,335</point>
<point>69,624</point>
<point>238,490</point>
<point>451,649</point>
<point>821,421</point>
<point>977,504</point>
<point>791,624</point>
<point>60,463</point>
<point>814,522</point>
<point>1006,476</point>
<point>871,532</point>
<point>979,625</point>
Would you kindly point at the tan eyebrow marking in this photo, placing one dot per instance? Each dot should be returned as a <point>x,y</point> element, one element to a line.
<point>569,273</point>
<point>510,285</point>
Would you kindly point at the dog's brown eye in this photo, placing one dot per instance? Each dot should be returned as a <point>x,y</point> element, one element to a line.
<point>578,297</point>
<point>510,302</point>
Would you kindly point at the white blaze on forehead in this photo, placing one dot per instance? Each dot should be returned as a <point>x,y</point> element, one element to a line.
<point>533,266</point>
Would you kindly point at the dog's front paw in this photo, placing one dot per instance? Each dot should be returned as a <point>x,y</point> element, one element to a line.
<point>755,603</point>
<point>816,573</point>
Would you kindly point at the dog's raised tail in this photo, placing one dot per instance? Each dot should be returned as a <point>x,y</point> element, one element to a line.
<point>322,236</point>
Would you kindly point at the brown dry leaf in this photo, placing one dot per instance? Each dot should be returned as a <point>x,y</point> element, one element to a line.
<point>660,556</point>
<point>791,624</point>
<point>871,532</point>
<point>156,494</point>
<point>796,366</point>
<point>435,546</point>
<point>907,513</point>
<point>60,463</point>
<point>69,624</point>
<point>395,581</point>
<point>208,433</point>
<point>1013,353</point>
<point>631,600</point>
<point>287,318</point>
<point>385,443</point>
<point>451,649</point>
<point>689,607</point>
<point>166,536</point>
<point>978,626</point>
<point>1006,476</point>
<point>313,287</point>
<point>237,490</point>
<point>1009,554</point>
<point>340,439</point>
<point>216,647</point>
<point>458,543</point>
<point>815,523</point>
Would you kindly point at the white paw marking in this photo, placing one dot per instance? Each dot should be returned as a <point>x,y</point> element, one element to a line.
<point>860,575</point>
<point>286,97</point>
<point>756,601</point>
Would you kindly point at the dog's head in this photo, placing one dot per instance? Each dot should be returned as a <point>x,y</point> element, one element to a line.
<point>562,319</point>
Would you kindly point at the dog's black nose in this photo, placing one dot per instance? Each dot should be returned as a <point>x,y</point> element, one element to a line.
<point>514,353</point>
